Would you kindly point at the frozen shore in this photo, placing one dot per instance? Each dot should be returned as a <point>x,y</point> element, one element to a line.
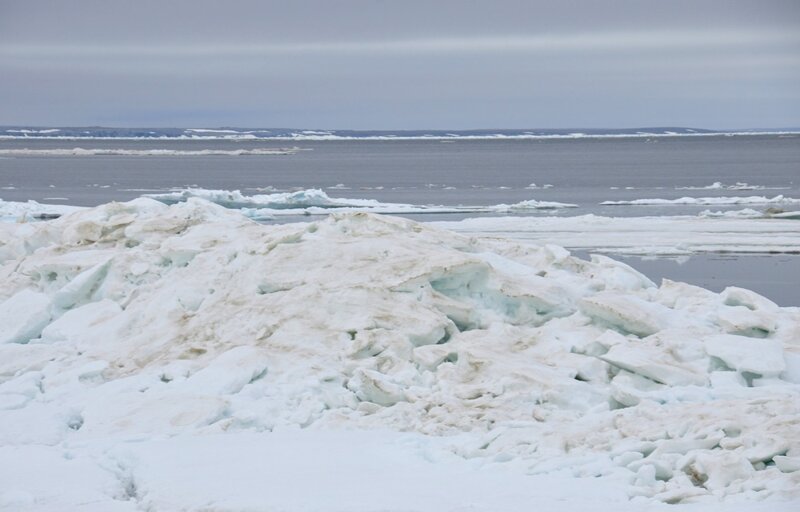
<point>185,357</point>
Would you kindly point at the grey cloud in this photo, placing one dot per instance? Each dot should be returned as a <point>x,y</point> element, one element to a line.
<point>375,64</point>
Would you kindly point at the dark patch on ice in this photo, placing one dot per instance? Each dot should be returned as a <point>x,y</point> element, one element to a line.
<point>716,364</point>
<point>258,376</point>
<point>749,377</point>
<point>697,477</point>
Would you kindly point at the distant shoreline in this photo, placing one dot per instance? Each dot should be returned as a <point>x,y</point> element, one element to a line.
<point>69,134</point>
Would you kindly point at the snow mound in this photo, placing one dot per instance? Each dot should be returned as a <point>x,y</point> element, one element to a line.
<point>135,322</point>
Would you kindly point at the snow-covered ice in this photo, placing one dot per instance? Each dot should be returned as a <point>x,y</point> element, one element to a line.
<point>718,185</point>
<point>532,204</point>
<point>184,357</point>
<point>779,199</point>
<point>742,232</point>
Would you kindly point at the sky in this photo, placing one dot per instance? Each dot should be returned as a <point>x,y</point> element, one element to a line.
<point>435,64</point>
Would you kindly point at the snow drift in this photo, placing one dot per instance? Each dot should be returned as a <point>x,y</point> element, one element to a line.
<point>138,337</point>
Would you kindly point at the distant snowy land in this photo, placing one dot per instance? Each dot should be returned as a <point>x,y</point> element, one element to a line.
<point>21,132</point>
<point>185,357</point>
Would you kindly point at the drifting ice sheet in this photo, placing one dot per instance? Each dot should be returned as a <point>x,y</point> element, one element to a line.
<point>779,199</point>
<point>147,152</point>
<point>644,235</point>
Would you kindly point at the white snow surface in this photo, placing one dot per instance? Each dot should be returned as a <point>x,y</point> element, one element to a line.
<point>183,357</point>
<point>745,231</point>
<point>146,152</point>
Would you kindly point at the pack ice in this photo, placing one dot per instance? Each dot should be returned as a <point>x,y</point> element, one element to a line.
<point>183,357</point>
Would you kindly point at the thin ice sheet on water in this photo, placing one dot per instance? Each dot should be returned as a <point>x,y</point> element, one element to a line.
<point>743,232</point>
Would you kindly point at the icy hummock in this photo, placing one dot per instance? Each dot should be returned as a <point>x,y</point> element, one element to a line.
<point>265,206</point>
<point>317,202</point>
<point>185,357</point>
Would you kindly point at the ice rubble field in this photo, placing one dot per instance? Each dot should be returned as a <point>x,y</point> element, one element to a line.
<point>184,357</point>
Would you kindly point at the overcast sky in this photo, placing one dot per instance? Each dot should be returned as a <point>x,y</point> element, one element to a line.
<point>401,64</point>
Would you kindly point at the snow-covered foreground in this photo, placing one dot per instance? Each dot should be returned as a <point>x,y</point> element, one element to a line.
<point>746,231</point>
<point>183,357</point>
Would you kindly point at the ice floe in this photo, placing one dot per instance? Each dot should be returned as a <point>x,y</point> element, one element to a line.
<point>533,204</point>
<point>746,213</point>
<point>265,206</point>
<point>317,202</point>
<point>184,357</point>
<point>718,185</point>
<point>742,232</point>
<point>147,152</point>
<point>779,199</point>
